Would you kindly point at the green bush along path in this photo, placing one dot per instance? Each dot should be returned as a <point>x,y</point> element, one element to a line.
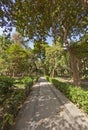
<point>46,108</point>
<point>13,93</point>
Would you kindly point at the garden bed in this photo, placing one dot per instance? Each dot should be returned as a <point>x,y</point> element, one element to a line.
<point>13,93</point>
<point>75,93</point>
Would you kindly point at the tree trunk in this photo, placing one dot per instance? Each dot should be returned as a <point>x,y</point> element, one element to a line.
<point>53,71</point>
<point>74,63</point>
<point>75,68</point>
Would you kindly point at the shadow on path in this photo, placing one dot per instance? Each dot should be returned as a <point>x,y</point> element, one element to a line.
<point>47,109</point>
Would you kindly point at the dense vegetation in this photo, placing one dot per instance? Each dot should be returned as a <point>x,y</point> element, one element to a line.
<point>17,76</point>
<point>67,23</point>
<point>76,94</point>
<point>20,64</point>
<point>67,19</point>
<point>13,92</point>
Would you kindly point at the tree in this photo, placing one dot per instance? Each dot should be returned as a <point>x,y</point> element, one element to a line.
<point>64,18</point>
<point>4,45</point>
<point>17,59</point>
<point>54,55</point>
<point>5,42</point>
<point>81,52</point>
<point>17,38</point>
<point>39,51</point>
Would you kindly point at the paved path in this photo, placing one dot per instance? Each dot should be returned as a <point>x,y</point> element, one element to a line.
<point>47,109</point>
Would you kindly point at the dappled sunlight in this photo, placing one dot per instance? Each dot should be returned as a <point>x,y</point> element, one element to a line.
<point>42,98</point>
<point>36,85</point>
<point>54,122</point>
<point>43,83</point>
<point>47,109</point>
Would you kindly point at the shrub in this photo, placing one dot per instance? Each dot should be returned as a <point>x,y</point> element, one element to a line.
<point>27,81</point>
<point>6,84</point>
<point>13,103</point>
<point>11,107</point>
<point>47,77</point>
<point>1,100</point>
<point>35,79</point>
<point>76,94</point>
<point>7,121</point>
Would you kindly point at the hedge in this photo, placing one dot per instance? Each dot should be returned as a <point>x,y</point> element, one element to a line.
<point>76,94</point>
<point>12,104</point>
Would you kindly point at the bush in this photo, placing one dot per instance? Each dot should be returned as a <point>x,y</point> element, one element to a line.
<point>27,81</point>
<point>13,103</point>
<point>1,99</point>
<point>47,77</point>
<point>7,121</point>
<point>6,84</point>
<point>11,107</point>
<point>76,94</point>
<point>35,79</point>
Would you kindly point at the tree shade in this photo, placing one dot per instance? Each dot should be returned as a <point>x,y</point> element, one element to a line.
<point>38,19</point>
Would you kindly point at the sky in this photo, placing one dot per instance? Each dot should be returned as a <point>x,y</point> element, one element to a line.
<point>49,39</point>
<point>1,31</point>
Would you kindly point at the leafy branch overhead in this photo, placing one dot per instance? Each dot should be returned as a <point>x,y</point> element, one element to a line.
<point>36,19</point>
<point>81,47</point>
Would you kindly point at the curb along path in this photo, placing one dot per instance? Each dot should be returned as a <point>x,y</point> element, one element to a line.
<point>47,109</point>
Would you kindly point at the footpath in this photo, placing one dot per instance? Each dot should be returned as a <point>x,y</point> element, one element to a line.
<point>47,108</point>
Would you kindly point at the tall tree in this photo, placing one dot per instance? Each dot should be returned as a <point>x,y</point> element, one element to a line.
<point>53,58</point>
<point>5,42</point>
<point>81,52</point>
<point>17,38</point>
<point>39,50</point>
<point>38,19</point>
<point>17,59</point>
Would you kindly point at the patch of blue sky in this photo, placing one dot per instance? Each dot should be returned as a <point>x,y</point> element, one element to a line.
<point>1,31</point>
<point>49,40</point>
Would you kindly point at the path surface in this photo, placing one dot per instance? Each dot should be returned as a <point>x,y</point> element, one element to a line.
<point>47,109</point>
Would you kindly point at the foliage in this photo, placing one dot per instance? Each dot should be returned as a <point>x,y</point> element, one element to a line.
<point>12,104</point>
<point>81,47</point>
<point>35,79</point>
<point>6,84</point>
<point>17,38</point>
<point>67,19</point>
<point>27,81</point>
<point>19,60</point>
<point>7,121</point>
<point>47,77</point>
<point>81,51</point>
<point>11,107</point>
<point>5,42</point>
<point>75,94</point>
<point>39,49</point>
<point>56,59</point>
<point>16,59</point>
<point>52,15</point>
